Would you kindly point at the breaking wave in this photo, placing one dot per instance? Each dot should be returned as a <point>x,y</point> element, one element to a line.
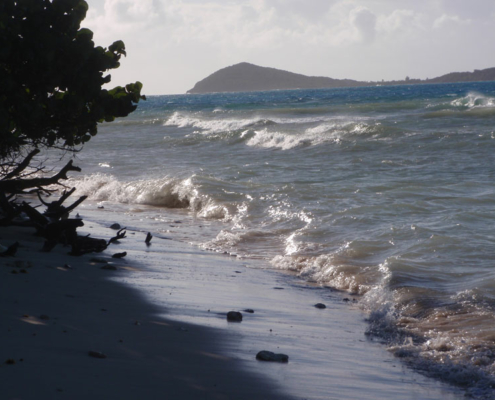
<point>216,125</point>
<point>451,338</point>
<point>163,192</point>
<point>472,105</point>
<point>474,100</point>
<point>313,136</point>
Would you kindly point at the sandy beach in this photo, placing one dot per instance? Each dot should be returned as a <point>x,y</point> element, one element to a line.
<point>155,327</point>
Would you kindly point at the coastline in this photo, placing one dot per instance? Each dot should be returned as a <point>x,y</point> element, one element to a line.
<point>54,316</point>
<point>160,321</point>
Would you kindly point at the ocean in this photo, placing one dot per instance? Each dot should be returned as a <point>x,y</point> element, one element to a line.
<point>385,193</point>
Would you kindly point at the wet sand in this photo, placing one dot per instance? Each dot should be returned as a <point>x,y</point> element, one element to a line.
<point>160,321</point>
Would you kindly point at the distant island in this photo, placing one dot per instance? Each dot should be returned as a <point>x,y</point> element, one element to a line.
<point>245,77</point>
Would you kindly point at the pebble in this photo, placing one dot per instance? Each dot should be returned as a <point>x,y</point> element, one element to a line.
<point>115,226</point>
<point>265,355</point>
<point>120,255</point>
<point>320,306</point>
<point>249,310</point>
<point>234,316</point>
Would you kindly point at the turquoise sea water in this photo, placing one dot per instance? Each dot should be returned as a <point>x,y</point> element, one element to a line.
<point>385,192</point>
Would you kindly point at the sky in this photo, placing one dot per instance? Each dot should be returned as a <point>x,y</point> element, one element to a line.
<point>172,44</point>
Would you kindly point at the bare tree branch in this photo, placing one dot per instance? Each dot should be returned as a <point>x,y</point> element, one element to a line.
<point>22,166</point>
<point>17,186</point>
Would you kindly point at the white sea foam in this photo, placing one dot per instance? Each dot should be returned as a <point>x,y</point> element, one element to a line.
<point>323,133</point>
<point>474,100</point>
<point>163,192</point>
<point>326,270</point>
<point>209,126</point>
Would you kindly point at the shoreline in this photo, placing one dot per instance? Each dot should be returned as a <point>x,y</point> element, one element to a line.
<point>54,316</point>
<point>160,321</point>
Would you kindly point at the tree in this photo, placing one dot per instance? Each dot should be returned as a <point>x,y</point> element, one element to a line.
<point>51,76</point>
<point>51,89</point>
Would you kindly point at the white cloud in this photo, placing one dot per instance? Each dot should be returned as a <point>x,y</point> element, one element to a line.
<point>188,39</point>
<point>401,21</point>
<point>365,23</point>
<point>449,20</point>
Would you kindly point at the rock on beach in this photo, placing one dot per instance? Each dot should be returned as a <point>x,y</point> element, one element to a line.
<point>234,316</point>
<point>265,355</point>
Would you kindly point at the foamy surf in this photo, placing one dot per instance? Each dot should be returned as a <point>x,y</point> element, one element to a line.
<point>216,125</point>
<point>165,192</point>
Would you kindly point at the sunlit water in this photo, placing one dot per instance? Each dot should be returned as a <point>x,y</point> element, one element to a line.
<point>385,192</point>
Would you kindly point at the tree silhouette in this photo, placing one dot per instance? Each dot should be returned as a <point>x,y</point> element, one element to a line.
<point>51,96</point>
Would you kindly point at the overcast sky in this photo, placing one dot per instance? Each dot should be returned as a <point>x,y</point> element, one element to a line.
<point>172,44</point>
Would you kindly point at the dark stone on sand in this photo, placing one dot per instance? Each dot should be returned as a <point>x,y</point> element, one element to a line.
<point>345,299</point>
<point>115,226</point>
<point>96,354</point>
<point>278,288</point>
<point>249,310</point>
<point>10,361</point>
<point>320,306</point>
<point>265,355</point>
<point>234,316</point>
<point>120,255</point>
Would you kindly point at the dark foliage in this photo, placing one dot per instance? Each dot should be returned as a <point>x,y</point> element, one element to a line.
<point>51,76</point>
<point>52,96</point>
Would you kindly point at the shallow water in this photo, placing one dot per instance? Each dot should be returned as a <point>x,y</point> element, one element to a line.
<point>385,192</point>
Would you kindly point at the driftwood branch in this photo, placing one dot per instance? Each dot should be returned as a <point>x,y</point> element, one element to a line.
<point>75,204</point>
<point>56,210</point>
<point>22,166</point>
<point>85,244</point>
<point>120,235</point>
<point>19,185</point>
<point>38,219</point>
<point>41,199</point>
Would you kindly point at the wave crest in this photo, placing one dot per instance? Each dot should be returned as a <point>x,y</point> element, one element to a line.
<point>217,125</point>
<point>325,270</point>
<point>162,192</point>
<point>474,100</point>
<point>327,132</point>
